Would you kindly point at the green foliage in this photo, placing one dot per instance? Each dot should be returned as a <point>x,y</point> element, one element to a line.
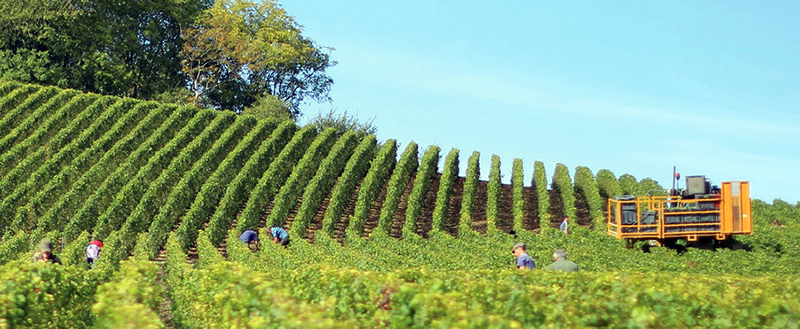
<point>320,185</point>
<point>268,107</point>
<point>379,170</point>
<point>343,123</point>
<point>563,184</point>
<point>585,184</point>
<point>542,196</point>
<point>427,168</point>
<point>13,247</point>
<point>130,298</point>
<point>286,199</point>
<point>518,206</point>
<point>446,182</point>
<point>468,196</point>
<point>43,295</point>
<point>354,171</point>
<point>493,196</point>
<point>628,185</point>
<point>240,51</point>
<point>397,184</point>
<point>607,184</point>
<point>254,146</point>
<point>265,187</point>
<point>127,48</point>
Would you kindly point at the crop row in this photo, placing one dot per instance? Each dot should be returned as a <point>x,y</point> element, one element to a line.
<point>91,195</point>
<point>295,184</point>
<point>586,185</point>
<point>193,189</point>
<point>321,183</point>
<point>448,179</point>
<point>83,172</point>
<point>343,189</point>
<point>89,143</point>
<point>470,192</point>
<point>427,169</point>
<point>379,170</point>
<point>238,173</point>
<point>493,195</point>
<point>406,166</point>
<point>563,184</point>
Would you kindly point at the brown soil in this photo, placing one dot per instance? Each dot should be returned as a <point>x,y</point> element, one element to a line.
<point>375,210</point>
<point>556,208</point>
<point>505,214</point>
<point>531,209</point>
<point>454,207</point>
<point>425,220</point>
<point>400,215</point>
<point>582,210</point>
<point>479,208</point>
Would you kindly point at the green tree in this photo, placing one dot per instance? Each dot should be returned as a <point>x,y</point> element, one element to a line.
<point>343,122</point>
<point>127,48</point>
<point>240,51</point>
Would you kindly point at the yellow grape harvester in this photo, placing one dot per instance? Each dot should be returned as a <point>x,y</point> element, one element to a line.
<point>698,212</point>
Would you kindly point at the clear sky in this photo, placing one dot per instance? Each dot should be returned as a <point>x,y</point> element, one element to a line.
<point>632,86</point>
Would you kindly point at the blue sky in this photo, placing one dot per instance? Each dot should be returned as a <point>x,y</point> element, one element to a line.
<point>632,86</point>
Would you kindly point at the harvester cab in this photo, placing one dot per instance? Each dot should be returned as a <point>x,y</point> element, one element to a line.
<point>699,211</point>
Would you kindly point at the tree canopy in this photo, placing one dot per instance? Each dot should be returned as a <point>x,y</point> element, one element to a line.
<point>227,54</point>
<point>242,50</point>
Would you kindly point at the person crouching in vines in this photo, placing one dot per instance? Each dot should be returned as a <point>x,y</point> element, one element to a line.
<point>279,235</point>
<point>524,262</point>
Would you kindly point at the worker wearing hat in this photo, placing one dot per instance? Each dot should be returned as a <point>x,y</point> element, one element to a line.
<point>46,253</point>
<point>524,262</point>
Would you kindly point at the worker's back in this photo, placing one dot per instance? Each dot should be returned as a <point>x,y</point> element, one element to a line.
<point>563,265</point>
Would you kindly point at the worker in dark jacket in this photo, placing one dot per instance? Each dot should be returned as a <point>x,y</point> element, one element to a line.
<point>279,235</point>
<point>561,263</point>
<point>46,253</point>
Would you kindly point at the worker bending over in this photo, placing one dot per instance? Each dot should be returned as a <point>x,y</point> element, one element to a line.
<point>93,252</point>
<point>561,263</point>
<point>248,237</point>
<point>46,253</point>
<point>279,235</point>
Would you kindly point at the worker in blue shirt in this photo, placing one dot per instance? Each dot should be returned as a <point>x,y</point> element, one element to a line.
<point>524,262</point>
<point>249,237</point>
<point>279,235</point>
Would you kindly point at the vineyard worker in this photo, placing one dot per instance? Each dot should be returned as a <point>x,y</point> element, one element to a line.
<point>93,251</point>
<point>524,262</point>
<point>561,263</point>
<point>279,235</point>
<point>563,226</point>
<point>46,253</point>
<point>249,236</point>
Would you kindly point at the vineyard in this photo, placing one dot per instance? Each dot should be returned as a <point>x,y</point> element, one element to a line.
<point>383,234</point>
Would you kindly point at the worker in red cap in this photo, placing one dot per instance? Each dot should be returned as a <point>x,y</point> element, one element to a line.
<point>93,251</point>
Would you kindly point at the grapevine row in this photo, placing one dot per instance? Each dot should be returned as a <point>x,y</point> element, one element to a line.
<point>518,206</point>
<point>448,179</point>
<point>12,119</point>
<point>563,184</point>
<point>427,169</point>
<point>586,185</point>
<point>540,188</point>
<point>397,184</point>
<point>130,193</point>
<point>286,199</point>
<point>320,185</point>
<point>229,183</point>
<point>493,195</point>
<point>186,191</point>
<point>76,174</point>
<point>62,100</point>
<point>89,197</point>
<point>469,194</point>
<point>379,171</point>
<point>354,171</point>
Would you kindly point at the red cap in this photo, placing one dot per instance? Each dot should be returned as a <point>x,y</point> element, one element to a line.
<point>97,243</point>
